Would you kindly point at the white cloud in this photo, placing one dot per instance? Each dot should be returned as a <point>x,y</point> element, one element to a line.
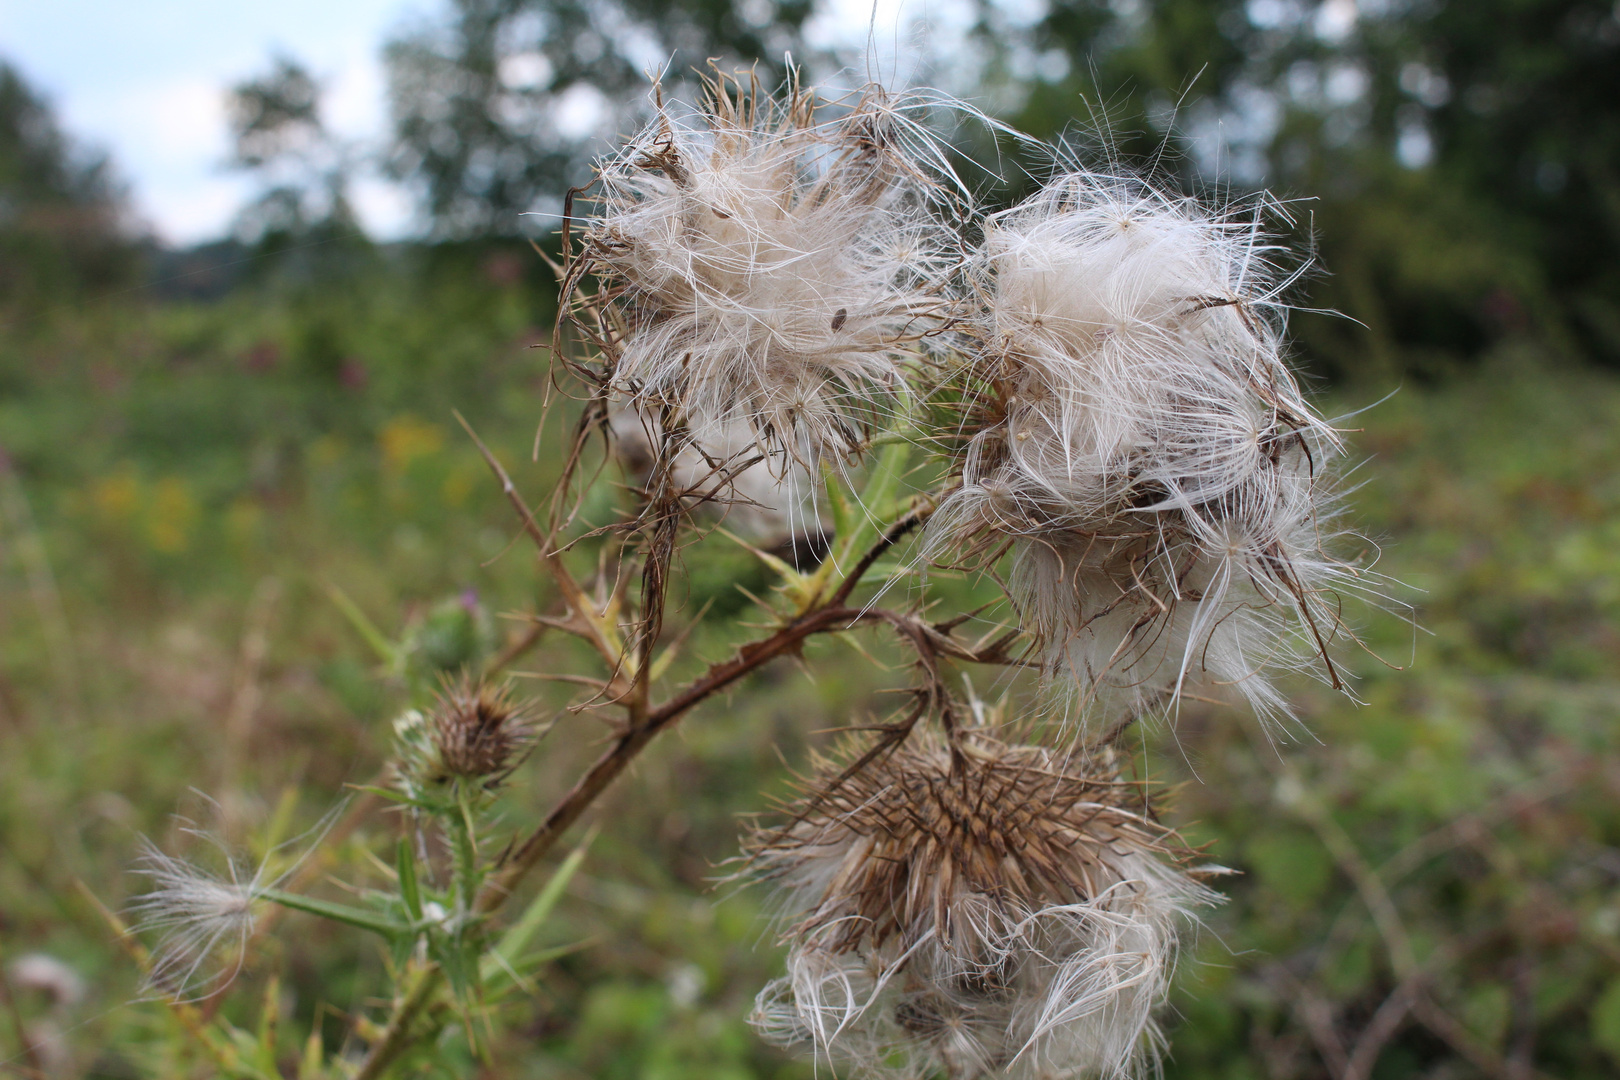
<point>196,210</point>
<point>385,209</point>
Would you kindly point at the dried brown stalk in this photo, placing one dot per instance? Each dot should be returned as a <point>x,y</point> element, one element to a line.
<point>628,688</point>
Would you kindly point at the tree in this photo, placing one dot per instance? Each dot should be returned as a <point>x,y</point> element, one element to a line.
<point>278,135</point>
<point>493,108</point>
<point>63,226</point>
<point>1462,159</point>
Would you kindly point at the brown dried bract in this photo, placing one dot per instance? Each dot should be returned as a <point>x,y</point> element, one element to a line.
<point>914,833</point>
<point>479,732</point>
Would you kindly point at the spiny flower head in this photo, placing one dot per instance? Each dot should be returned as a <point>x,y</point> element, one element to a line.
<point>768,265</point>
<point>974,909</point>
<point>474,732</point>
<point>1134,435</point>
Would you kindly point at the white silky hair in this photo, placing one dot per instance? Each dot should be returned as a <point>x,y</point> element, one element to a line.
<point>198,916</point>
<point>776,267</point>
<point>1035,993</point>
<point>1162,481</point>
<point>203,917</point>
<point>752,495</point>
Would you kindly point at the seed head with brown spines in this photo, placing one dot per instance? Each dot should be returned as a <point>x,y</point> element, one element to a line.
<point>975,909</point>
<point>1004,821</point>
<point>474,731</point>
<point>480,732</point>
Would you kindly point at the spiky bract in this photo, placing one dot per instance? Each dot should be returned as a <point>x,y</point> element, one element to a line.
<point>766,265</point>
<point>474,732</point>
<point>987,910</point>
<point>1131,430</point>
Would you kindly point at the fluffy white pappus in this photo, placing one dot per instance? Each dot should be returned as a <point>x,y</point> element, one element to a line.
<point>1006,915</point>
<point>1122,328</point>
<point>770,267</point>
<point>1132,622</point>
<point>722,468</point>
<point>1067,990</point>
<point>1133,433</point>
<point>203,920</point>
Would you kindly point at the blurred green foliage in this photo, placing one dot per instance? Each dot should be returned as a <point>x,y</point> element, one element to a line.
<point>231,443</point>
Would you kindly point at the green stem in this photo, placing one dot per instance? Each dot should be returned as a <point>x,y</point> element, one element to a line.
<point>464,842</point>
<point>396,1038</point>
<point>365,920</point>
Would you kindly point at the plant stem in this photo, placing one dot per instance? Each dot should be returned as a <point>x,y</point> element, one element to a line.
<point>643,723</point>
<point>625,748</point>
<point>365,920</point>
<point>396,1037</point>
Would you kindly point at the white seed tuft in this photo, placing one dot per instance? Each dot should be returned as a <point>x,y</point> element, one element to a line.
<point>1132,431</point>
<point>997,911</point>
<point>204,921</point>
<point>767,266</point>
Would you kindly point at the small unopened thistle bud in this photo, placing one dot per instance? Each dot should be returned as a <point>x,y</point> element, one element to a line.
<point>996,911</point>
<point>474,732</point>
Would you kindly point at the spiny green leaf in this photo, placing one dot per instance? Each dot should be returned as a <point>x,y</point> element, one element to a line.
<point>507,953</point>
<point>409,890</point>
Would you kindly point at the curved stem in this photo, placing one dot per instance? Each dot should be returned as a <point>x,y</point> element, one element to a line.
<point>396,1037</point>
<point>644,722</point>
<point>617,757</point>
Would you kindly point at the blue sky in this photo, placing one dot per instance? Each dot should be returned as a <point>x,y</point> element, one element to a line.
<point>146,80</point>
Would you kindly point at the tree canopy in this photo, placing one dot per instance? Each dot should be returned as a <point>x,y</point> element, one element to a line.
<point>62,214</point>
<point>493,106</point>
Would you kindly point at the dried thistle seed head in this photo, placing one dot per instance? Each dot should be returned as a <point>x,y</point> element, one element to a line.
<point>1001,910</point>
<point>474,731</point>
<point>480,732</point>
<point>912,833</point>
<point>763,264</point>
<point>1136,436</point>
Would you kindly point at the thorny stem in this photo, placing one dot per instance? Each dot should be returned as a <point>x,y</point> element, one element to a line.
<point>643,723</point>
<point>638,734</point>
<point>464,845</point>
<point>890,537</point>
<point>396,1037</point>
<point>926,639</point>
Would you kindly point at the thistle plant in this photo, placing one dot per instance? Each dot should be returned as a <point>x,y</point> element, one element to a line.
<point>784,308</point>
